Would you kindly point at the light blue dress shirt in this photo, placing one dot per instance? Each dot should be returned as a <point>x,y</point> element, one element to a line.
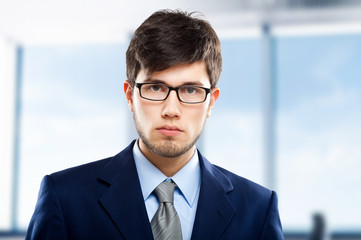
<point>186,195</point>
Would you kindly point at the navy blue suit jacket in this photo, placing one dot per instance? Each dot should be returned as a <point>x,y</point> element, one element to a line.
<point>103,200</point>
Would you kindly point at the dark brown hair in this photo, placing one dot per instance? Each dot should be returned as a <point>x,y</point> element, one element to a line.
<point>168,38</point>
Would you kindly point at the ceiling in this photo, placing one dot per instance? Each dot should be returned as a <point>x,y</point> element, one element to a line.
<point>75,21</point>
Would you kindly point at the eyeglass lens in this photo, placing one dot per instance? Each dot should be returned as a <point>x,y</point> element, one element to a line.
<point>157,92</point>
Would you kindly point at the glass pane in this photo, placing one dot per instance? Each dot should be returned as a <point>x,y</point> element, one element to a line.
<point>7,108</point>
<point>233,136</point>
<point>73,112</point>
<point>319,130</point>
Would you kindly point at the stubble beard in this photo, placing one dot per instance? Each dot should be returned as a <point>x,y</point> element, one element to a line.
<point>166,148</point>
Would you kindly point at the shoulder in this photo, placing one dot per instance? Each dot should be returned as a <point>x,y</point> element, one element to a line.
<point>232,183</point>
<point>90,178</point>
<point>87,169</point>
<point>110,166</point>
<point>244,192</point>
<point>245,185</point>
<point>79,180</point>
<point>256,205</point>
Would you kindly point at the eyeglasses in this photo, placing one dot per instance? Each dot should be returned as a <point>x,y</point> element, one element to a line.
<point>160,92</point>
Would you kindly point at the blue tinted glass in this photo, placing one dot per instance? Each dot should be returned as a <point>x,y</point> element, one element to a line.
<point>319,115</point>
<point>73,112</point>
<point>234,130</point>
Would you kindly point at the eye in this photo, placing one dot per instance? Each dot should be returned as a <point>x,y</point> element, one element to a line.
<point>190,90</point>
<point>155,88</point>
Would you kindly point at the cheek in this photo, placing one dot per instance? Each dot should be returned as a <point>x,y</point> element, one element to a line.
<point>198,116</point>
<point>145,111</point>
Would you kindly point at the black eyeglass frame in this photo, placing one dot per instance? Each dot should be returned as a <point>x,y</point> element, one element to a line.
<point>139,85</point>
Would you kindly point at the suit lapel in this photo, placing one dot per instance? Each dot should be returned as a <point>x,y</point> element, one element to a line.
<point>214,210</point>
<point>124,204</point>
<point>123,201</point>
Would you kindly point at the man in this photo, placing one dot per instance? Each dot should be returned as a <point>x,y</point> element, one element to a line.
<point>160,186</point>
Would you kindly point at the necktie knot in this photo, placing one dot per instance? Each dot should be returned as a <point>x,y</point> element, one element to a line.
<point>165,192</point>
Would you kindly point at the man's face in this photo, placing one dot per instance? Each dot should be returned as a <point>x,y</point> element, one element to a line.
<point>170,128</point>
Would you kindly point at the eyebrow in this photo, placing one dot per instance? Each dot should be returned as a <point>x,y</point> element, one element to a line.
<point>189,83</point>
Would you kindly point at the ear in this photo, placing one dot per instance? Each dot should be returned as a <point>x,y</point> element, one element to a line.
<point>128,90</point>
<point>214,96</point>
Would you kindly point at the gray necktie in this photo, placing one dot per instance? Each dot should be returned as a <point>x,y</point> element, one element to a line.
<point>165,223</point>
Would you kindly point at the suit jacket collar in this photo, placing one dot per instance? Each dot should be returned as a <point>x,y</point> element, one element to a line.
<point>214,211</point>
<point>123,201</point>
<point>128,212</point>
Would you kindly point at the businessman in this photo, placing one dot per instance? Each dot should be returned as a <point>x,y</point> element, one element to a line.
<point>160,186</point>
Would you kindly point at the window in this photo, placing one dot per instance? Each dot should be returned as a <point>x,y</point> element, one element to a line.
<point>73,112</point>
<point>319,115</point>
<point>7,112</point>
<point>235,125</point>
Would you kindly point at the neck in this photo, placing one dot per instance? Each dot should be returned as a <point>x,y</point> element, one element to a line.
<point>169,166</point>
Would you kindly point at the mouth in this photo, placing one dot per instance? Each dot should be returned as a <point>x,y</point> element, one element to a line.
<point>169,131</point>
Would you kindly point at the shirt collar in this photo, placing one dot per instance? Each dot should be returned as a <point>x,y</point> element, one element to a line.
<point>188,179</point>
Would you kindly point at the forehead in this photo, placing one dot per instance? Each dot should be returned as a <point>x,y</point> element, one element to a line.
<point>182,74</point>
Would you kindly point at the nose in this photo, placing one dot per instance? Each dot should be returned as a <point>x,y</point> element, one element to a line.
<point>171,106</point>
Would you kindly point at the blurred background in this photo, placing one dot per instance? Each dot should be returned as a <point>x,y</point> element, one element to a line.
<point>288,116</point>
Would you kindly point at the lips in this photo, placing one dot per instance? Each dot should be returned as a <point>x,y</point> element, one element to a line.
<point>169,131</point>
